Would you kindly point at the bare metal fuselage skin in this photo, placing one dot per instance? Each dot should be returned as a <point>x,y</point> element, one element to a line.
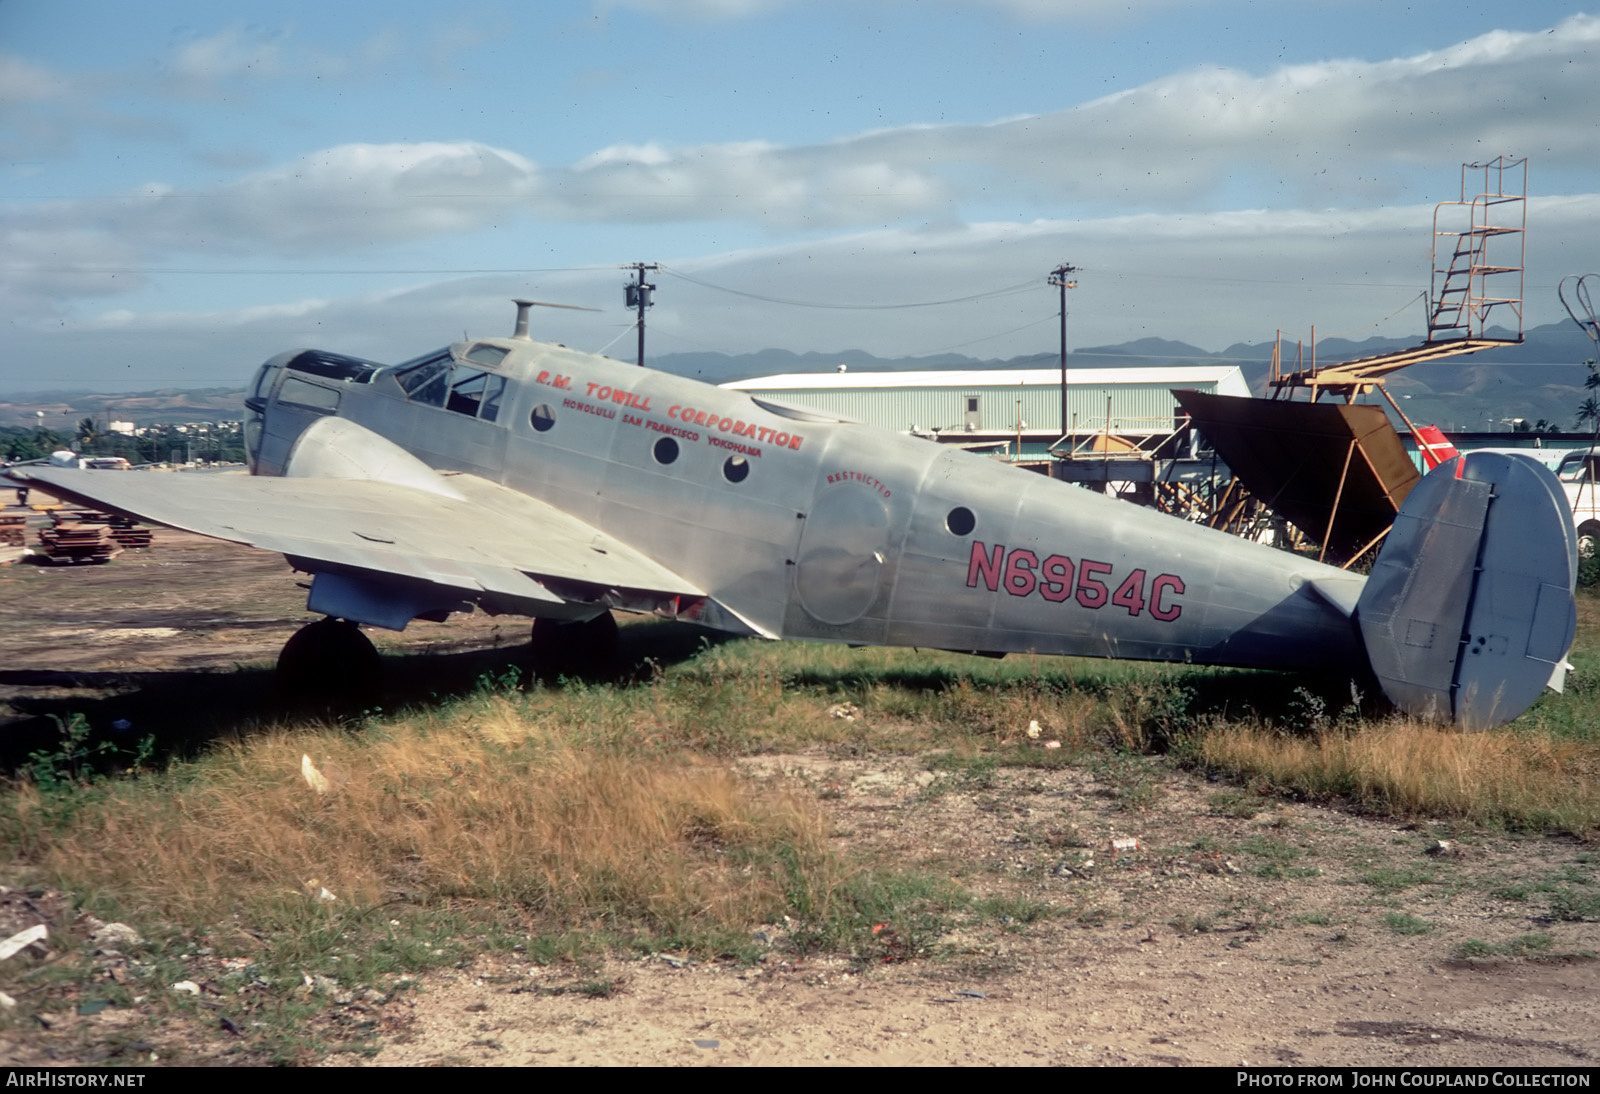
<point>794,525</point>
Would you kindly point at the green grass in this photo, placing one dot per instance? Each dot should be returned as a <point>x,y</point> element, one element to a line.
<point>1280,860</point>
<point>1403,924</point>
<point>1528,945</point>
<point>1313,919</point>
<point>1388,880</point>
<point>1575,905</point>
<point>1570,893</point>
<point>1234,803</point>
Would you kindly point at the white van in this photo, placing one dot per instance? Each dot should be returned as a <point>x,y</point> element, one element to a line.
<point>1579,472</point>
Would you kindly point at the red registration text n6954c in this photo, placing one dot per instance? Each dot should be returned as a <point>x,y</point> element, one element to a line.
<point>1018,571</point>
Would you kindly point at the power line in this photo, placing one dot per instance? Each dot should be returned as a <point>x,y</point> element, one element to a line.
<point>1020,286</point>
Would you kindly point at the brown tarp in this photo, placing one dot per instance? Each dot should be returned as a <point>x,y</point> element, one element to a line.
<point>1309,461</point>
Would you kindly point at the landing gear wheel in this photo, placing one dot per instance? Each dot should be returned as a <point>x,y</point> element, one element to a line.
<point>1588,552</point>
<point>329,658</point>
<point>572,649</point>
<point>1588,539</point>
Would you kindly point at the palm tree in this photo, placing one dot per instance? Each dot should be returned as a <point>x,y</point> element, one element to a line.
<point>1589,409</point>
<point>87,434</point>
<point>1589,412</point>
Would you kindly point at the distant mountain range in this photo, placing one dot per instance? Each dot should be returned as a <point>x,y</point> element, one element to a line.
<point>64,409</point>
<point>1541,378</point>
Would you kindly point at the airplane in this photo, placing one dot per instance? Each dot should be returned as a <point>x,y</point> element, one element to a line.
<point>522,477</point>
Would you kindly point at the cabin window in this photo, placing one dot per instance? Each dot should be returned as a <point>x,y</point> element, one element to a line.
<point>542,418</point>
<point>300,393</point>
<point>265,378</point>
<point>466,394</point>
<point>665,450</point>
<point>486,355</point>
<point>960,520</point>
<point>736,469</point>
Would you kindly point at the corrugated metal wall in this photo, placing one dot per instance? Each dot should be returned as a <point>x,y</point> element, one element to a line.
<point>1137,409</point>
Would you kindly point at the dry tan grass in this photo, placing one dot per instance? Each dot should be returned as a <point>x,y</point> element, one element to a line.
<point>1416,769</point>
<point>486,806</point>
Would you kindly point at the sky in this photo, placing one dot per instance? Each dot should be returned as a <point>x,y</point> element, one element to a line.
<point>187,188</point>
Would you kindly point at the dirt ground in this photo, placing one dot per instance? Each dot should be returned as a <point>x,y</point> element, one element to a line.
<point>1240,931</point>
<point>1271,950</point>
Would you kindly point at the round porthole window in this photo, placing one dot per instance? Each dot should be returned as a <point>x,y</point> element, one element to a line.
<point>665,450</point>
<point>542,418</point>
<point>735,468</point>
<point>960,520</point>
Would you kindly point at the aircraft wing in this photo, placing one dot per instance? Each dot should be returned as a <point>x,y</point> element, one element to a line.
<point>486,538</point>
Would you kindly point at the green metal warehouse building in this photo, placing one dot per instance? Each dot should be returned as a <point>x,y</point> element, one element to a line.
<point>990,408</point>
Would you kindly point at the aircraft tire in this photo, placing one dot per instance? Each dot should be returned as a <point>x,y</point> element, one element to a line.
<point>328,658</point>
<point>1588,539</point>
<point>573,649</point>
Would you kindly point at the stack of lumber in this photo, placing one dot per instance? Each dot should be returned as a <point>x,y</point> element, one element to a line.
<point>124,530</point>
<point>71,541</point>
<point>13,527</point>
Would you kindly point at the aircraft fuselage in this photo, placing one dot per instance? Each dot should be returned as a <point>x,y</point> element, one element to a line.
<point>804,526</point>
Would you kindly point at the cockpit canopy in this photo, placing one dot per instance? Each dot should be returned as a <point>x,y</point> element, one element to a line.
<point>463,378</point>
<point>457,383</point>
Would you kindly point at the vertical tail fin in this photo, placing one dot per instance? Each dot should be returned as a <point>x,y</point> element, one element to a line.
<point>1434,447</point>
<point>1469,611</point>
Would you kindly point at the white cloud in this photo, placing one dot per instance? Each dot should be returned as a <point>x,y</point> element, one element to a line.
<point>1317,134</point>
<point>45,114</point>
<point>347,196</point>
<point>753,180</point>
<point>42,268</point>
<point>1134,187</point>
<point>1338,132</point>
<point>23,81</point>
<point>229,53</point>
<point>204,65</point>
<point>1209,279</point>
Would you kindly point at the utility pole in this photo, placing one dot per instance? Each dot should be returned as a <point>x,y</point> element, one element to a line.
<point>637,295</point>
<point>1059,277</point>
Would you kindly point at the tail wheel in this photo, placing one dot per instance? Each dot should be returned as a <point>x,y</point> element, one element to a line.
<point>328,658</point>
<point>571,649</point>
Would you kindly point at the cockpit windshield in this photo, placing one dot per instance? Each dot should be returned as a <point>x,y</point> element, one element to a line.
<point>427,380</point>
<point>438,379</point>
<point>334,366</point>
